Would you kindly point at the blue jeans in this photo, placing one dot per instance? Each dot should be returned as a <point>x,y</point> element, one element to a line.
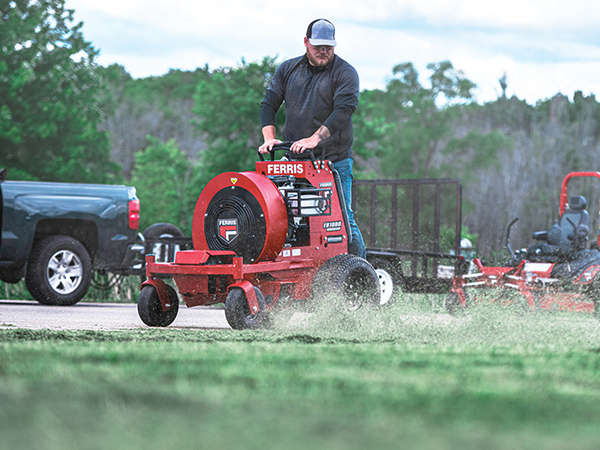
<point>344,168</point>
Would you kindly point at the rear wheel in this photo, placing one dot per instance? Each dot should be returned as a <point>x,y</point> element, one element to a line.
<point>238,313</point>
<point>150,309</point>
<point>349,280</point>
<point>59,271</point>
<point>452,303</point>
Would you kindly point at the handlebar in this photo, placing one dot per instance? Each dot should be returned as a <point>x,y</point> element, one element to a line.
<point>306,154</point>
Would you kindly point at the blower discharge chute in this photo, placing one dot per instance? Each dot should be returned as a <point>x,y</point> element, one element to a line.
<point>263,240</point>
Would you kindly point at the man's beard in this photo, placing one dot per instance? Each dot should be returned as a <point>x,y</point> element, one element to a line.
<point>318,62</point>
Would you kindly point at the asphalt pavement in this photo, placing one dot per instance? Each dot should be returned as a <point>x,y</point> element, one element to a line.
<point>99,316</point>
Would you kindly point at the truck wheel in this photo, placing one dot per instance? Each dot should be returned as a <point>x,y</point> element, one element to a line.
<point>238,314</point>
<point>390,278</point>
<point>59,271</point>
<point>150,309</point>
<point>349,280</point>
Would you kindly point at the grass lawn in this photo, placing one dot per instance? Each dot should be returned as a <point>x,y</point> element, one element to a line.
<point>493,379</point>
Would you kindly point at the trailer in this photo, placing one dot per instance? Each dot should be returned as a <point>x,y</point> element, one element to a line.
<point>412,229</point>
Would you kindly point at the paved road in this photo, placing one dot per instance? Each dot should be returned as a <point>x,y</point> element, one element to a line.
<point>98,316</point>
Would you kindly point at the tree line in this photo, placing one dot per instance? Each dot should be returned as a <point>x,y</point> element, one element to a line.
<point>65,118</point>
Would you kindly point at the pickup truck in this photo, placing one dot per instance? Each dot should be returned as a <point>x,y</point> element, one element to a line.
<point>55,235</point>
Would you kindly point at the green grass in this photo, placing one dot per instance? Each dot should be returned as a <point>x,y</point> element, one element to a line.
<point>393,379</point>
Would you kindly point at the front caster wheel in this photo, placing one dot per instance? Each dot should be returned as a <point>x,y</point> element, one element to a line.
<point>238,314</point>
<point>150,310</point>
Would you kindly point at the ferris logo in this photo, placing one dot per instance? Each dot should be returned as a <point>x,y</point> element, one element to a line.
<point>285,169</point>
<point>227,229</point>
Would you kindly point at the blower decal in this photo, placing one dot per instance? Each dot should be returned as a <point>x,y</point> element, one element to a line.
<point>228,229</point>
<point>285,169</point>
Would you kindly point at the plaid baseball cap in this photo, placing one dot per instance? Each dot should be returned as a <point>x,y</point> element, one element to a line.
<point>321,32</point>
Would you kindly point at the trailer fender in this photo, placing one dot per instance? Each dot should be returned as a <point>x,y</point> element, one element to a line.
<point>248,289</point>
<point>161,289</point>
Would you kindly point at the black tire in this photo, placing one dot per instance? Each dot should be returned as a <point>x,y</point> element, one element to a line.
<point>150,310</point>
<point>238,314</point>
<point>593,294</point>
<point>11,276</point>
<point>390,279</point>
<point>162,229</point>
<point>348,280</point>
<point>453,306</point>
<point>163,251</point>
<point>59,271</point>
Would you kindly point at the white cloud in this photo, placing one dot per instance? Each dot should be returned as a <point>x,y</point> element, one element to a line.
<point>545,46</point>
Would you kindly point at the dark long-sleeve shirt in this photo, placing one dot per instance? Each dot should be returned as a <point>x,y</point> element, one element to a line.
<point>314,97</point>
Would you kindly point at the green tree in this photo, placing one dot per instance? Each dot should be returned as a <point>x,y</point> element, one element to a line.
<point>49,93</point>
<point>412,121</point>
<point>167,184</point>
<point>228,106</point>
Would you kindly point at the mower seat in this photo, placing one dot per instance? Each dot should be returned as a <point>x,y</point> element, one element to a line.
<point>565,238</point>
<point>574,222</point>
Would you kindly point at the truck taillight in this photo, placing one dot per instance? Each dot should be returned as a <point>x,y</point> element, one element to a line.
<point>134,214</point>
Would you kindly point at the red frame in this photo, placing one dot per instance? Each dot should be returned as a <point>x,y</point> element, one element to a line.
<point>289,269</point>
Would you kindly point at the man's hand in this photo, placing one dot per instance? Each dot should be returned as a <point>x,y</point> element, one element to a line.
<point>311,142</point>
<point>268,145</point>
<point>305,144</point>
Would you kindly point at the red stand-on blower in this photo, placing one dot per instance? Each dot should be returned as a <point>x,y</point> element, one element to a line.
<point>262,241</point>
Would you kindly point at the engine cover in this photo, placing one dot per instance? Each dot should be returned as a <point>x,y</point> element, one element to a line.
<point>243,212</point>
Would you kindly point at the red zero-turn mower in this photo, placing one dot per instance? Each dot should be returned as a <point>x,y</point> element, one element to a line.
<point>262,241</point>
<point>557,273</point>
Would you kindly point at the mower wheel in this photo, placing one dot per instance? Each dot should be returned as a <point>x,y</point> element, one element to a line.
<point>150,309</point>
<point>238,313</point>
<point>349,280</point>
<point>593,294</point>
<point>453,306</point>
<point>390,278</point>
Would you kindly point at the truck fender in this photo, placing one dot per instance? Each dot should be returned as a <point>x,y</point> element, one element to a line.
<point>248,289</point>
<point>161,289</point>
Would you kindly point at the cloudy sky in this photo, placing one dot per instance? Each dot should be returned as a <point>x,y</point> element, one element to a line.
<point>544,46</point>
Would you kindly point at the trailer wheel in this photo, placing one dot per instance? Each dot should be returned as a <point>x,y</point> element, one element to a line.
<point>238,314</point>
<point>59,271</point>
<point>349,280</point>
<point>150,309</point>
<point>390,279</point>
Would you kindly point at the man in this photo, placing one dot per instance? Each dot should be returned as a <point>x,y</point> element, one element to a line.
<point>320,91</point>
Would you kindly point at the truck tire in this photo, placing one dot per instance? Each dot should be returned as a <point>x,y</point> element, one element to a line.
<point>349,280</point>
<point>150,310</point>
<point>59,271</point>
<point>238,314</point>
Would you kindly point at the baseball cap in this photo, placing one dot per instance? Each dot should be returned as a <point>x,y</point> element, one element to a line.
<point>321,32</point>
